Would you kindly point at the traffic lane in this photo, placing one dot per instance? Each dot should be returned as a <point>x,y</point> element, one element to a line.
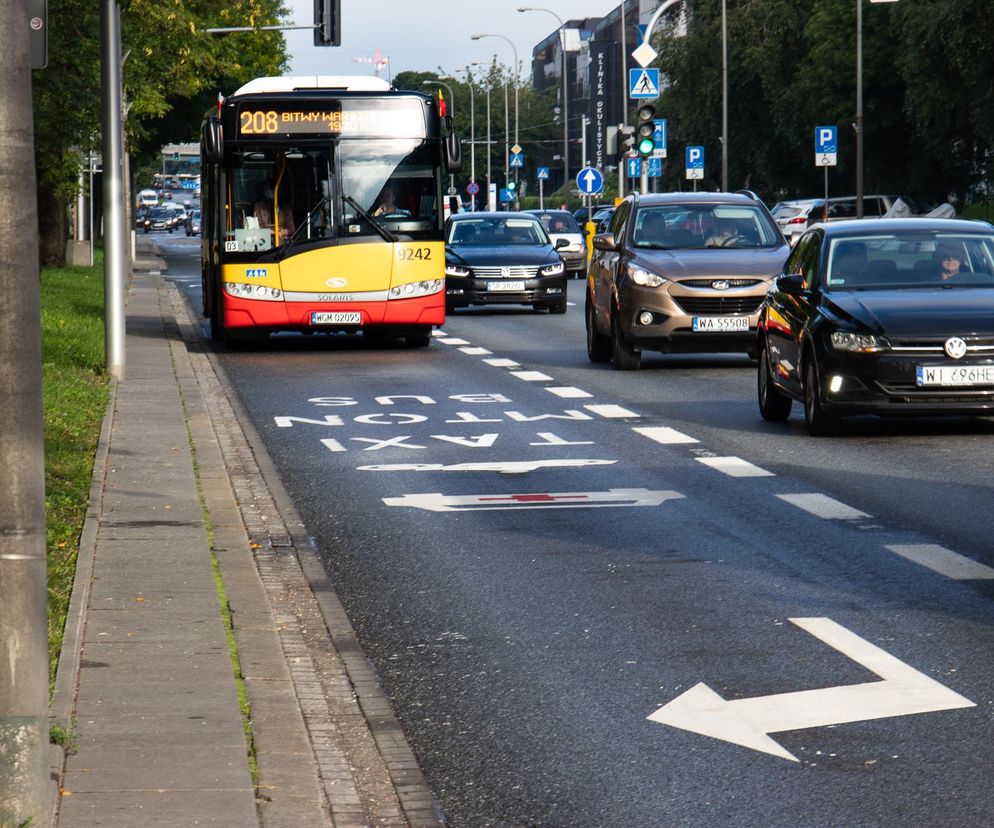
<point>401,565</point>
<point>899,464</point>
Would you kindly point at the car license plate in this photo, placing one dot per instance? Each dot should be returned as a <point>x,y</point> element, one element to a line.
<point>506,286</point>
<point>336,318</point>
<point>721,323</point>
<point>955,375</point>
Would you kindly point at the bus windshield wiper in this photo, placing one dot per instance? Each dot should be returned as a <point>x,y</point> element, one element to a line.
<point>284,249</point>
<point>379,228</point>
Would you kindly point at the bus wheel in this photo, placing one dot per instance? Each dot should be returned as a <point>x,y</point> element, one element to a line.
<point>217,322</point>
<point>421,340</point>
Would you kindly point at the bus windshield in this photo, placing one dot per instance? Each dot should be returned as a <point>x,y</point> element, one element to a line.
<point>283,192</point>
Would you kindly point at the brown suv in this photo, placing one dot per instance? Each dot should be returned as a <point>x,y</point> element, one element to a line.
<point>680,272</point>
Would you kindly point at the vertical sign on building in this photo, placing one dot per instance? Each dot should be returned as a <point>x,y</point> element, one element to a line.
<point>598,101</point>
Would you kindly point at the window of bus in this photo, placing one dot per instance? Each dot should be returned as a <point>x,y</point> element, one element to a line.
<point>275,192</point>
<point>393,181</point>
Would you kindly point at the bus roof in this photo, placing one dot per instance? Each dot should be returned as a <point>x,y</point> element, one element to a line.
<point>291,83</point>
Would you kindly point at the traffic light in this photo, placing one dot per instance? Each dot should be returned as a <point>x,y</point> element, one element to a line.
<point>645,130</point>
<point>511,186</point>
<point>327,17</point>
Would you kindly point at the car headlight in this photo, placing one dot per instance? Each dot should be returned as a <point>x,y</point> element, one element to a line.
<point>552,270</point>
<point>644,277</point>
<point>456,270</point>
<point>853,342</point>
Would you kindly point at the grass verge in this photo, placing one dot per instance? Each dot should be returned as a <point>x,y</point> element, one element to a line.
<point>75,390</point>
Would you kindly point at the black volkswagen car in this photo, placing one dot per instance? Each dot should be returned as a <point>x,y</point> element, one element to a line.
<point>502,258</point>
<point>894,316</point>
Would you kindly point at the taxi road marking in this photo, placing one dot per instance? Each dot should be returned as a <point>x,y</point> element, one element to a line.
<point>944,561</point>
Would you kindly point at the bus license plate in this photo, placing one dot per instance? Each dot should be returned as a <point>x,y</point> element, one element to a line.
<point>517,287</point>
<point>721,323</point>
<point>336,318</point>
<point>955,375</point>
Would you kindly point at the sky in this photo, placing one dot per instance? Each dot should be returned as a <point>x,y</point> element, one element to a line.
<point>423,35</point>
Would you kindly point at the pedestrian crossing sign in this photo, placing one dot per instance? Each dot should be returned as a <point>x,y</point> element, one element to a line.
<point>643,83</point>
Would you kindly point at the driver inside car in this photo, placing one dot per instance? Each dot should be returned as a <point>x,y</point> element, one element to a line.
<point>724,230</point>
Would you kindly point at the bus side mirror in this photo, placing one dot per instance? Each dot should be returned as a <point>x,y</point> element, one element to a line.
<point>453,153</point>
<point>212,141</point>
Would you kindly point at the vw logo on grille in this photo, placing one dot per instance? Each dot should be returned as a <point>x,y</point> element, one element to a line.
<point>955,347</point>
<point>721,284</point>
<point>505,272</point>
<point>336,282</point>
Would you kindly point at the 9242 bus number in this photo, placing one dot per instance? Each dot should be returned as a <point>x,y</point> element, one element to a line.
<point>406,254</point>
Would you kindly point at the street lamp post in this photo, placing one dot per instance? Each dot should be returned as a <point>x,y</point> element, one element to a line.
<point>480,63</point>
<point>452,107</point>
<point>562,54</point>
<point>515,51</point>
<point>472,137</point>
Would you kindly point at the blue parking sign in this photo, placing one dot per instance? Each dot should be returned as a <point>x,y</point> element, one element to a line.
<point>826,146</point>
<point>695,162</point>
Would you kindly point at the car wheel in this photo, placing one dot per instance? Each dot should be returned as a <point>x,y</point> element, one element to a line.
<point>774,405</point>
<point>819,423</point>
<point>559,307</point>
<point>623,355</point>
<point>598,345</point>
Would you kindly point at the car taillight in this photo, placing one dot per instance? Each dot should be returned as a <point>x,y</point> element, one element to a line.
<point>797,220</point>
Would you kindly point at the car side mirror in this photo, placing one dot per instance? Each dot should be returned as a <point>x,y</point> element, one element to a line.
<point>791,283</point>
<point>605,241</point>
<point>561,243</point>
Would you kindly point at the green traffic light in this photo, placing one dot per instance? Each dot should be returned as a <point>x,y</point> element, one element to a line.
<point>511,185</point>
<point>646,146</point>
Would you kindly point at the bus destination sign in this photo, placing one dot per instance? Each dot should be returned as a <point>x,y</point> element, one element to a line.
<point>337,120</point>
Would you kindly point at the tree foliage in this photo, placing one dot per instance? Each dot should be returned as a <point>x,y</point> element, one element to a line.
<point>172,66</point>
<point>928,120</point>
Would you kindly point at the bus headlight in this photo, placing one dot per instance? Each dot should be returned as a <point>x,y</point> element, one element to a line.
<point>246,291</point>
<point>414,289</point>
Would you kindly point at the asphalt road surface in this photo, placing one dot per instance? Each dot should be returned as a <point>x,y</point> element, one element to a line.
<point>540,554</point>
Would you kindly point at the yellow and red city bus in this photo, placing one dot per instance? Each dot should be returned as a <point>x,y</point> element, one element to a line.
<point>322,209</point>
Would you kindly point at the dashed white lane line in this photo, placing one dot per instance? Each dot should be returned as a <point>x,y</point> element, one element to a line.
<point>823,506</point>
<point>453,341</point>
<point>500,362</point>
<point>735,467</point>
<point>439,333</point>
<point>944,561</point>
<point>665,435</point>
<point>475,351</point>
<point>612,412</point>
<point>530,376</point>
<point>568,392</point>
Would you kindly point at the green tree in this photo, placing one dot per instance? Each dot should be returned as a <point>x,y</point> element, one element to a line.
<point>172,67</point>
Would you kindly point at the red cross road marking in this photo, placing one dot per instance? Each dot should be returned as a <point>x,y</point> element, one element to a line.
<point>536,498</point>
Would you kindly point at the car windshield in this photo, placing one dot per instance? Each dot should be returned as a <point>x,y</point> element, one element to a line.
<point>496,231</point>
<point>907,260</point>
<point>160,213</point>
<point>699,226</point>
<point>558,222</point>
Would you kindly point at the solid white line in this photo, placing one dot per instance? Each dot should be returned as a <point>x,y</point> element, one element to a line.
<point>615,412</point>
<point>664,435</point>
<point>530,376</point>
<point>568,392</point>
<point>502,363</point>
<point>823,506</point>
<point>453,341</point>
<point>734,467</point>
<point>944,561</point>
<point>475,351</point>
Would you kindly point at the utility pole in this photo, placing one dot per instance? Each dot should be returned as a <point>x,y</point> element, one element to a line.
<point>23,591</point>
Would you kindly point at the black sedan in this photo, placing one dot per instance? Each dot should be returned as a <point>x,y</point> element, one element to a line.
<point>502,258</point>
<point>160,218</point>
<point>894,316</point>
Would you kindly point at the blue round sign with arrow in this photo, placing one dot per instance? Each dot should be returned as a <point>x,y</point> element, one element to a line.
<point>589,181</point>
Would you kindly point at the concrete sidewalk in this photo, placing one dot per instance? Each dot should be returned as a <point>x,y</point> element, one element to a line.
<point>209,674</point>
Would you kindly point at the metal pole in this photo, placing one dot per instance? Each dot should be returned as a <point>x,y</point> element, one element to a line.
<point>724,96</point>
<point>624,101</point>
<point>89,158</point>
<point>489,179</point>
<point>644,176</point>
<point>115,258</point>
<point>23,595</point>
<point>507,139</point>
<point>859,109</point>
<point>472,142</point>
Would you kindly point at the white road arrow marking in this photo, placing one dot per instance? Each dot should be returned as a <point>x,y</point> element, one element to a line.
<point>746,722</point>
<point>437,502</point>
